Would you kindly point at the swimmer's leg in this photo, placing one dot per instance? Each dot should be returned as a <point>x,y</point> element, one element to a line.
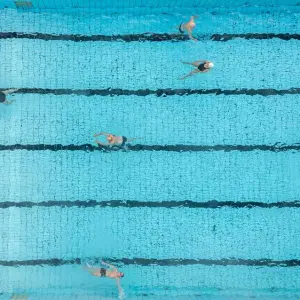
<point>190,36</point>
<point>92,270</point>
<point>7,102</point>
<point>190,74</point>
<point>193,17</point>
<point>10,91</point>
<point>194,64</point>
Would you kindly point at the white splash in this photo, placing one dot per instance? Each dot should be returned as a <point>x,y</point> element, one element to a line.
<point>122,295</point>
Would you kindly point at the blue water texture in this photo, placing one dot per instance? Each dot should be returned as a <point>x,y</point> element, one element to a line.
<point>34,239</point>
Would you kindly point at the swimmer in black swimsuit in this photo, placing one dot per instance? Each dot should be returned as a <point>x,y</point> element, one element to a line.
<point>188,27</point>
<point>113,140</point>
<point>102,272</point>
<point>111,272</point>
<point>201,66</point>
<point>3,96</point>
<point>180,29</point>
<point>124,140</point>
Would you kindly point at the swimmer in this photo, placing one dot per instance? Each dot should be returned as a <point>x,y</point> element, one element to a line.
<point>113,140</point>
<point>111,272</point>
<point>3,96</point>
<point>202,66</point>
<point>188,27</point>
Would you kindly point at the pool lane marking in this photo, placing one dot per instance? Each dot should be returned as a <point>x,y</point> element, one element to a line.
<point>138,147</point>
<point>213,204</point>
<point>148,36</point>
<point>158,92</point>
<point>156,262</point>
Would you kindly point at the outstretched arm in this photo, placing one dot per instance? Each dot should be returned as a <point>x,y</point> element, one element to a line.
<point>101,133</point>
<point>190,74</point>
<point>119,285</point>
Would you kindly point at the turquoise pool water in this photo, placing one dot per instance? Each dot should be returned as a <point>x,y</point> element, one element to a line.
<point>206,206</point>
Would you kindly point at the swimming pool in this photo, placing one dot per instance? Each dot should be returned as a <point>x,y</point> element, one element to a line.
<point>205,205</point>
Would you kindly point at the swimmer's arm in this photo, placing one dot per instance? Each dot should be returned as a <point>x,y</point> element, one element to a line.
<point>119,285</point>
<point>200,60</point>
<point>101,133</point>
<point>190,74</point>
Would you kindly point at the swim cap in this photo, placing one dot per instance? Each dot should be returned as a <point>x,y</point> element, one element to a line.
<point>211,65</point>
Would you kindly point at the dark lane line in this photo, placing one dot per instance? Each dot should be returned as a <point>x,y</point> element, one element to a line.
<point>148,36</point>
<point>255,36</point>
<point>157,262</point>
<point>213,204</point>
<point>172,148</point>
<point>158,92</point>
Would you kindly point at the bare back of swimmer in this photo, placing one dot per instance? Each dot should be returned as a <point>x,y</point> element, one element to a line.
<point>113,140</point>
<point>188,27</point>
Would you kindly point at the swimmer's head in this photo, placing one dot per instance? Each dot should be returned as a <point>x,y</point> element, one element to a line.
<point>210,65</point>
<point>121,274</point>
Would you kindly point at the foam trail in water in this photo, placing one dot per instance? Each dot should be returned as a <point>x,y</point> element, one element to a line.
<point>122,295</point>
